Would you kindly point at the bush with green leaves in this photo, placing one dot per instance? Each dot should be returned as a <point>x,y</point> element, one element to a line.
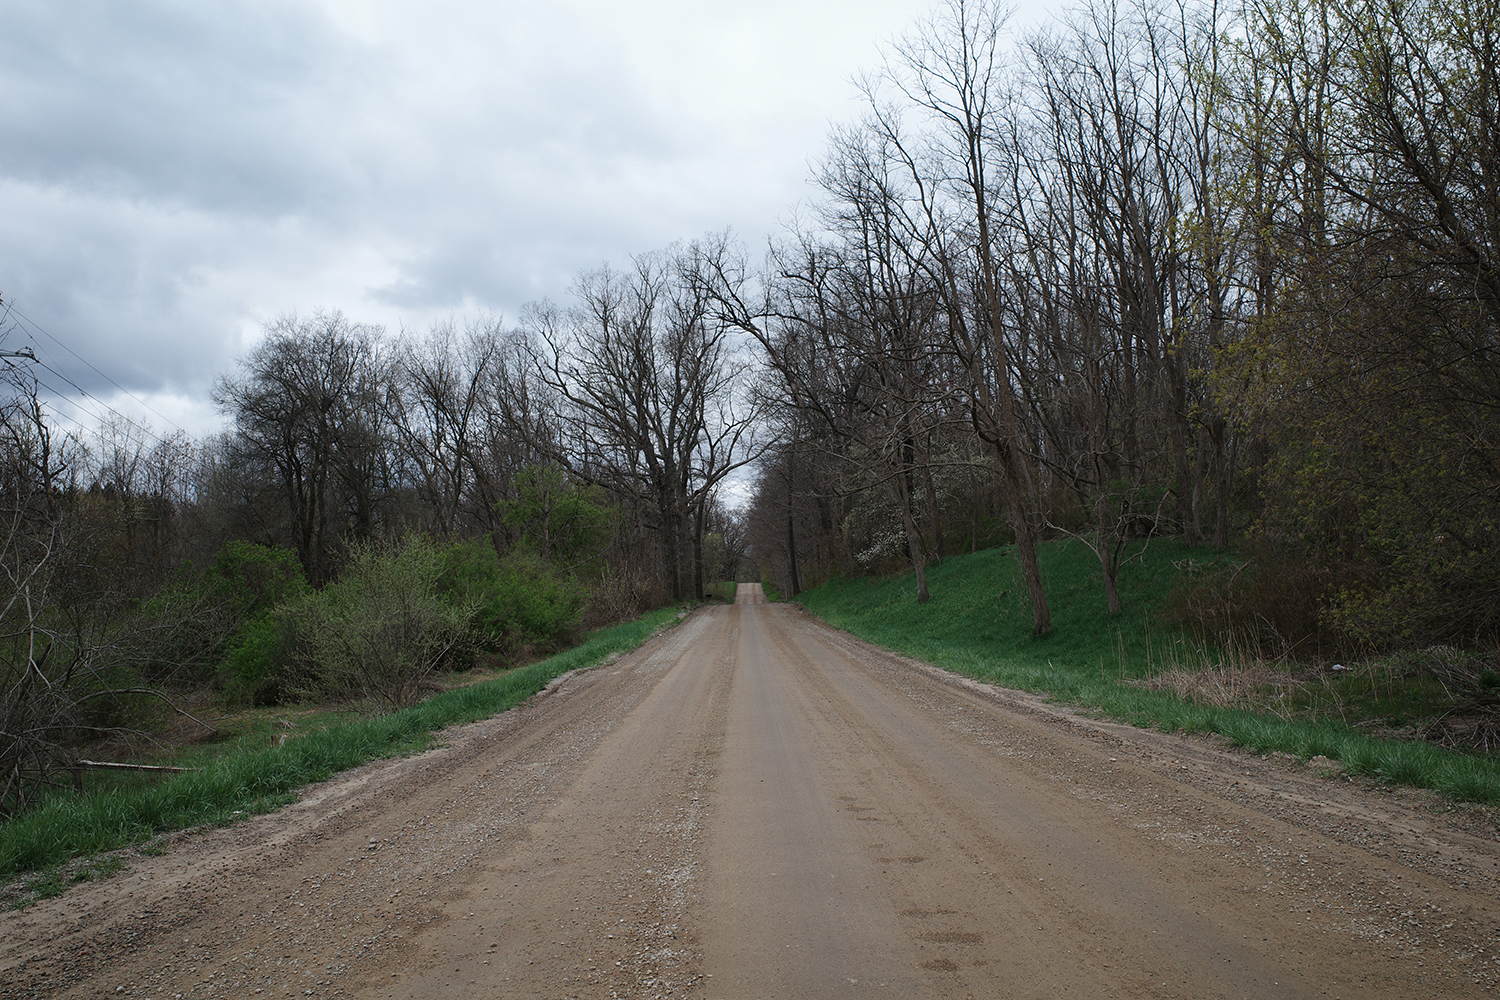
<point>518,601</point>
<point>257,585</point>
<point>380,630</point>
<point>257,578</point>
<point>556,516</point>
<point>254,669</point>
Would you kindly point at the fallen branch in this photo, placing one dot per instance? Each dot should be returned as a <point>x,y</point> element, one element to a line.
<point>170,704</point>
<point>108,765</point>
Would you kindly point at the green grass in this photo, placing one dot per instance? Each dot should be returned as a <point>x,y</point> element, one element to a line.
<point>245,780</point>
<point>978,623</point>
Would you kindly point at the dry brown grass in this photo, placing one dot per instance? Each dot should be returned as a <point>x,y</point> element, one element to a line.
<point>1254,684</point>
<point>1238,676</point>
<point>1437,695</point>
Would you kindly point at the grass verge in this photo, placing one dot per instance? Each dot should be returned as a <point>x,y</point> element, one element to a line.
<point>245,782</point>
<point>978,623</point>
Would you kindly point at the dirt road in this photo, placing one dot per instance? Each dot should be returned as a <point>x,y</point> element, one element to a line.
<point>754,805</point>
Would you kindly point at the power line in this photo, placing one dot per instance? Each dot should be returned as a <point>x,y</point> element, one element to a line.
<point>63,402</point>
<point>59,414</point>
<point>99,417</point>
<point>10,308</point>
<point>61,397</point>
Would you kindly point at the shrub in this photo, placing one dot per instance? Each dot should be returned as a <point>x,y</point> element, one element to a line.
<point>256,585</point>
<point>1275,603</point>
<point>518,601</point>
<point>618,593</point>
<point>254,666</point>
<point>258,577</point>
<point>381,628</point>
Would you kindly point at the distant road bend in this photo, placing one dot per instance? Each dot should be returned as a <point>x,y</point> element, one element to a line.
<point>755,805</point>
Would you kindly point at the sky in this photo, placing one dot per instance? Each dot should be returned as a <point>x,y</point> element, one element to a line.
<point>176,175</point>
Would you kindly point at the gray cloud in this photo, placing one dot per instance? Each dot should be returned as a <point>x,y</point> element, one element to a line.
<point>197,105</point>
<point>174,174</point>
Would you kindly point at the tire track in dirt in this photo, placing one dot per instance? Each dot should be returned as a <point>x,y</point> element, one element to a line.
<point>756,805</point>
<point>1030,852</point>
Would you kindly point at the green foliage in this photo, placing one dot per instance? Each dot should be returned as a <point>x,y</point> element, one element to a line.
<point>254,665</point>
<point>518,601</point>
<point>256,585</point>
<point>562,520</point>
<point>396,614</point>
<point>769,588</point>
<point>252,781</point>
<point>978,624</point>
<point>1379,493</point>
<point>257,578</point>
<point>720,591</point>
<point>379,630</point>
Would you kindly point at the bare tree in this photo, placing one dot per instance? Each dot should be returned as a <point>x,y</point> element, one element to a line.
<point>38,713</point>
<point>306,409</point>
<point>437,408</point>
<point>849,334</point>
<point>950,70</point>
<point>73,645</point>
<point>650,386</point>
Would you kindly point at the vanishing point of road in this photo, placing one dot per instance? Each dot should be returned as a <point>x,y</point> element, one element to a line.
<point>754,805</point>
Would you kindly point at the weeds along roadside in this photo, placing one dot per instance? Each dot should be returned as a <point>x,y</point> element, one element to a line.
<point>246,782</point>
<point>977,624</point>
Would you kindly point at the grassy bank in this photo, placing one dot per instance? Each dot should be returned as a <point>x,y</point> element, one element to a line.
<point>240,781</point>
<point>978,623</point>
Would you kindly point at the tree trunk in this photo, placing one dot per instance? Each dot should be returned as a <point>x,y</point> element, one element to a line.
<point>1041,616</point>
<point>698,553</point>
<point>791,552</point>
<point>1107,548</point>
<point>1111,572</point>
<point>1224,472</point>
<point>671,552</point>
<point>913,539</point>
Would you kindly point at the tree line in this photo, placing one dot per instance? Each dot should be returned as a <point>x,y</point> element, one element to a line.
<point>1177,268</point>
<point>341,437</point>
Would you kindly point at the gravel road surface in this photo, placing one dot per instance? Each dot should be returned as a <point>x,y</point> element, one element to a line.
<point>754,805</point>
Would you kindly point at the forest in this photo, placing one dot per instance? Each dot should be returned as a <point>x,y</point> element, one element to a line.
<point>1227,275</point>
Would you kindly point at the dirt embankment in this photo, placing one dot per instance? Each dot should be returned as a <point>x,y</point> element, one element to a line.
<point>754,805</point>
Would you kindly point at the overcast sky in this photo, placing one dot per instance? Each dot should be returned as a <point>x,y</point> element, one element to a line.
<point>175,174</point>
